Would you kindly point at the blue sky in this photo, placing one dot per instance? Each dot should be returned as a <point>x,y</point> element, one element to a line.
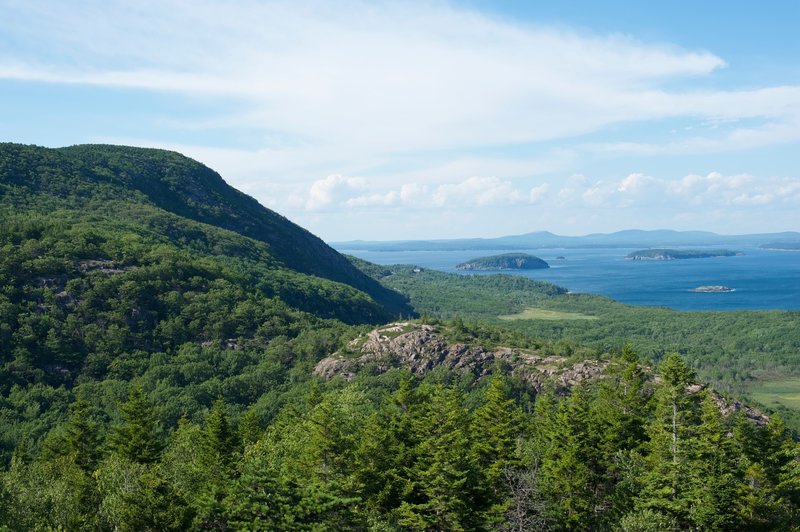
<point>410,120</point>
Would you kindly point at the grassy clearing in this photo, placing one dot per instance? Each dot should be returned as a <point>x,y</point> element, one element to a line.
<point>549,315</point>
<point>784,392</point>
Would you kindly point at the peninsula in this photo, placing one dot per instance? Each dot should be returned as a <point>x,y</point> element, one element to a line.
<point>678,254</point>
<point>506,261</point>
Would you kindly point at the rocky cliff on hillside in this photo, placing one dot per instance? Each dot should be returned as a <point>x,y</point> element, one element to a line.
<point>420,348</point>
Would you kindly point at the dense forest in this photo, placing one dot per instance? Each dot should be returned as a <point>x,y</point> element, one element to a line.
<point>158,338</point>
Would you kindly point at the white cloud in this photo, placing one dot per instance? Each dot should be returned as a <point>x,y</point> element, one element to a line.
<point>414,75</point>
<point>713,190</point>
<point>537,193</point>
<point>369,200</point>
<point>331,190</point>
<point>634,182</point>
<point>402,93</point>
<point>476,191</point>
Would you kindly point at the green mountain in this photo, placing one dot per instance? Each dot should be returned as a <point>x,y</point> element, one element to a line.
<point>108,253</point>
<point>99,178</point>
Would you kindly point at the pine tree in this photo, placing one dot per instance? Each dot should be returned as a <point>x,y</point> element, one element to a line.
<point>79,438</point>
<point>494,431</point>
<point>670,434</point>
<point>714,481</point>
<point>138,436</point>
<point>567,462</point>
<point>220,438</point>
<point>261,499</point>
<point>623,403</point>
<point>439,496</point>
<point>621,408</point>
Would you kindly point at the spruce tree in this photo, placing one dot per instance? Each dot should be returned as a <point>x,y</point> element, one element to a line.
<point>138,436</point>
<point>670,433</point>
<point>495,427</point>
<point>440,487</point>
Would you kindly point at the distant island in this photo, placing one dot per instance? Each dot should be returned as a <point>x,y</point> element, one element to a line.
<point>679,254</point>
<point>506,261</point>
<point>782,246</point>
<point>713,289</point>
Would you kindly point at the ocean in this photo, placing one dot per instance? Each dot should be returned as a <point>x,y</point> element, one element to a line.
<point>761,279</point>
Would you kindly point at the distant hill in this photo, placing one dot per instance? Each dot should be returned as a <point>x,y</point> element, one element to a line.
<point>506,261</point>
<point>544,239</point>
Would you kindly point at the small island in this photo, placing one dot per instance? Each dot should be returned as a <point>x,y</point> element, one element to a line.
<point>507,261</point>
<point>679,254</point>
<point>713,289</point>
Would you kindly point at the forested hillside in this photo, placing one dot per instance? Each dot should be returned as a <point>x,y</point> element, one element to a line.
<point>119,181</point>
<point>159,335</point>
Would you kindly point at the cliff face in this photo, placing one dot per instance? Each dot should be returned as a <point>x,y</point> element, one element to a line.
<point>420,348</point>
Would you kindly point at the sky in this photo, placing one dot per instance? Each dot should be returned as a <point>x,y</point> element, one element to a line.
<point>434,119</point>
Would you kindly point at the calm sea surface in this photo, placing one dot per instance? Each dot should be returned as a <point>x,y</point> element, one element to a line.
<point>762,279</point>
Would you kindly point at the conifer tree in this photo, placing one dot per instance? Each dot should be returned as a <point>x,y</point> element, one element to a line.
<point>138,436</point>
<point>79,438</point>
<point>261,499</point>
<point>714,481</point>
<point>494,431</point>
<point>220,438</point>
<point>670,434</point>
<point>439,497</point>
<point>566,472</point>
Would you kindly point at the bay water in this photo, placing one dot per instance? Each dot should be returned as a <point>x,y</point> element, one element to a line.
<point>761,279</point>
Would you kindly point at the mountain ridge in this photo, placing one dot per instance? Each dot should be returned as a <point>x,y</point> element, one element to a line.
<point>546,239</point>
<point>86,175</point>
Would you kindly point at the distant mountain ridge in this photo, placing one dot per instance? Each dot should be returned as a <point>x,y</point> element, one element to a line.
<point>544,239</point>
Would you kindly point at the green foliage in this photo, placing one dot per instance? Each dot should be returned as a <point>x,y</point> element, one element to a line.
<point>137,437</point>
<point>506,261</point>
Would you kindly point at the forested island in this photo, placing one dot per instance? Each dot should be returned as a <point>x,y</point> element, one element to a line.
<point>679,254</point>
<point>174,356</point>
<point>506,261</point>
<point>782,246</point>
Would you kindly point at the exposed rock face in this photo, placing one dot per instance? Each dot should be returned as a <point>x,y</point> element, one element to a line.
<point>420,348</point>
